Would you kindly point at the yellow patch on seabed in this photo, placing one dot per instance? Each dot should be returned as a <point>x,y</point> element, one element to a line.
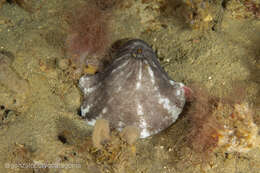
<point>90,69</point>
<point>133,149</point>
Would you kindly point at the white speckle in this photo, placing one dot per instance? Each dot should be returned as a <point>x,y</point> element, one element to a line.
<point>172,82</point>
<point>128,75</point>
<point>143,125</point>
<point>84,84</point>
<point>89,90</point>
<point>121,124</point>
<point>172,109</point>
<point>144,133</point>
<point>121,66</point>
<point>155,88</point>
<point>181,84</point>
<point>165,102</point>
<point>119,89</point>
<point>138,84</point>
<point>140,110</point>
<point>104,110</point>
<point>82,80</point>
<point>85,110</point>
<point>140,71</point>
<point>151,74</point>
<point>178,92</point>
<point>153,64</point>
<point>91,122</point>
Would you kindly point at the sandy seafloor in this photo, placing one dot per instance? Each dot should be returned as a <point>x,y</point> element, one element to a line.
<point>39,121</point>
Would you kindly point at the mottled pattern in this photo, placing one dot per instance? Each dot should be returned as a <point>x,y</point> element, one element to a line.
<point>133,90</point>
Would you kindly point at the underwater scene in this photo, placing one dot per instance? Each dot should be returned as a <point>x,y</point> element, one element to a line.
<point>129,86</point>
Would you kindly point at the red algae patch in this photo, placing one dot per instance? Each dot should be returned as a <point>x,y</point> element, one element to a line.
<point>220,125</point>
<point>203,136</point>
<point>89,35</point>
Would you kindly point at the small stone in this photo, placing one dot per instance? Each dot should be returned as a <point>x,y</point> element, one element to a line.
<point>130,134</point>
<point>101,133</point>
<point>63,64</point>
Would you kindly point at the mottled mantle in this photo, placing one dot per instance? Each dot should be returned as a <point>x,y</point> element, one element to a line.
<point>133,90</point>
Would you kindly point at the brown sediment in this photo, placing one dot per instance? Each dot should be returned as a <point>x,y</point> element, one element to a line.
<point>15,90</point>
